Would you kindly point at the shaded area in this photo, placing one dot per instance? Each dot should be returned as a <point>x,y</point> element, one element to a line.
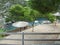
<point>9,27</point>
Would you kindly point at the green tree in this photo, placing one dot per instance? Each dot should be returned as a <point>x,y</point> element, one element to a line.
<point>20,13</point>
<point>16,12</point>
<point>51,17</point>
<point>31,15</point>
<point>45,6</point>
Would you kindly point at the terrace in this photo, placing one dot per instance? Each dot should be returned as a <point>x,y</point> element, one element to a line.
<point>21,24</point>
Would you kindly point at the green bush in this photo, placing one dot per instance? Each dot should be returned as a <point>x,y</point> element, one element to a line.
<point>15,12</point>
<point>1,31</point>
<point>20,13</point>
<point>51,17</point>
<point>17,9</point>
<point>31,14</point>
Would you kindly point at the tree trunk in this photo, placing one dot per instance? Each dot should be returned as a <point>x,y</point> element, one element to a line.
<point>33,27</point>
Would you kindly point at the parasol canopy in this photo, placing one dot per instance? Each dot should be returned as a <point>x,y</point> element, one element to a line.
<point>20,24</point>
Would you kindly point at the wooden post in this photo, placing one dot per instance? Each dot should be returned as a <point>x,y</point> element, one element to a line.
<point>22,38</point>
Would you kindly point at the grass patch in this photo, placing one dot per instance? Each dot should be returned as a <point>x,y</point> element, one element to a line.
<point>1,31</point>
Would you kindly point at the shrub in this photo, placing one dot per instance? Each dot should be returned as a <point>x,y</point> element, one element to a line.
<point>51,17</point>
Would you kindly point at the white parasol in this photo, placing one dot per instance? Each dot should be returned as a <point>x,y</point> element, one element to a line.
<point>56,14</point>
<point>20,24</point>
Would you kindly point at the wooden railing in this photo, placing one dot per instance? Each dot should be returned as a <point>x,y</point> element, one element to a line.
<point>23,33</point>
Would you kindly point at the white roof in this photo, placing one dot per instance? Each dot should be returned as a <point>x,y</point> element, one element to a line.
<point>20,24</point>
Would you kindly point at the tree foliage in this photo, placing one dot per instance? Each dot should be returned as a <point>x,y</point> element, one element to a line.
<point>30,14</point>
<point>16,12</point>
<point>20,13</point>
<point>45,6</point>
<point>51,17</point>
